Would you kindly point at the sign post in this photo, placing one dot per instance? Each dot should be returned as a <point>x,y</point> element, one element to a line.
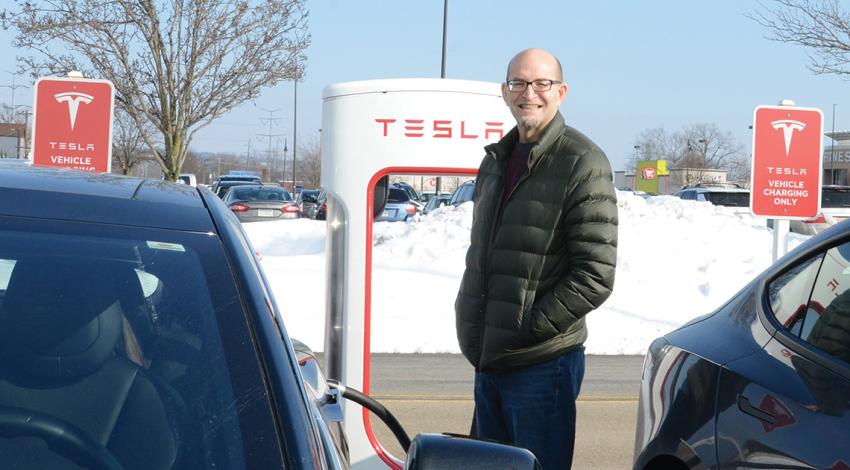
<point>72,124</point>
<point>786,167</point>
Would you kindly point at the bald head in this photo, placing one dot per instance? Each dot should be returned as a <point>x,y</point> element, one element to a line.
<point>534,90</point>
<point>535,55</point>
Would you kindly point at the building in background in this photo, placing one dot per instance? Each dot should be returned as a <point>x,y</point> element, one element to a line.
<point>836,158</point>
<point>13,140</point>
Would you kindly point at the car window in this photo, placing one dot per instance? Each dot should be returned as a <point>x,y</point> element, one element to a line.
<point>827,322</point>
<point>261,194</point>
<point>730,199</point>
<point>170,329</point>
<point>835,197</point>
<point>789,294</point>
<point>688,195</point>
<point>397,195</point>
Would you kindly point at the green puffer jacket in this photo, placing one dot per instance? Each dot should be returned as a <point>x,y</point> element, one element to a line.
<point>529,283</point>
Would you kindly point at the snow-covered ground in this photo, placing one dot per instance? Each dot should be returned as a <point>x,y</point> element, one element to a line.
<point>676,260</point>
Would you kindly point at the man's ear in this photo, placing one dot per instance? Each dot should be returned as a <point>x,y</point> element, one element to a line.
<point>505,94</point>
<point>562,92</point>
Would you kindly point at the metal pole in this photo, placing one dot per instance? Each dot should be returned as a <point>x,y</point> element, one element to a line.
<point>294,134</point>
<point>443,69</point>
<point>445,29</point>
<point>832,149</point>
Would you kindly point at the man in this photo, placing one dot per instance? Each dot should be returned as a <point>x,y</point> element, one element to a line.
<point>542,256</point>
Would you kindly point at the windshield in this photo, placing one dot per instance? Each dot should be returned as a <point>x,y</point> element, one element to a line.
<point>151,351</point>
<point>398,195</point>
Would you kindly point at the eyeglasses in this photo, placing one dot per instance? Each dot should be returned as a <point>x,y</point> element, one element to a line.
<point>517,86</point>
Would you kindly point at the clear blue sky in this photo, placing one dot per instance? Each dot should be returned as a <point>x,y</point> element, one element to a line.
<point>630,65</point>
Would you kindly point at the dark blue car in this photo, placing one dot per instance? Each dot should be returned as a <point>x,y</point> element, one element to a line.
<point>763,382</point>
<point>137,331</point>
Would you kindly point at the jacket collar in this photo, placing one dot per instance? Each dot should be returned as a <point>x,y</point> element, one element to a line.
<point>502,149</point>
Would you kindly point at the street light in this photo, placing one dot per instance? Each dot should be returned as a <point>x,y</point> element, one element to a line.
<point>832,148</point>
<point>283,177</point>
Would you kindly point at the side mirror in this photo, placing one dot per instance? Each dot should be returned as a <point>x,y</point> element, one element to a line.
<point>440,451</point>
<point>327,399</point>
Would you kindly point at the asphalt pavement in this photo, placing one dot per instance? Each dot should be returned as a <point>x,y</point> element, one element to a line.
<point>433,393</point>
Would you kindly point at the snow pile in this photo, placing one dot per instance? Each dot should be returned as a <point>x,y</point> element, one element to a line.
<point>676,260</point>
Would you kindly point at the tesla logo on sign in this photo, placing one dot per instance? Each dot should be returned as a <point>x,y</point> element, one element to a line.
<point>73,99</point>
<point>443,128</point>
<point>786,166</point>
<point>788,127</point>
<point>72,124</point>
<point>648,173</point>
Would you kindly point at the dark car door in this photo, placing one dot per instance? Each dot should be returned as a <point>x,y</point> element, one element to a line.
<point>787,405</point>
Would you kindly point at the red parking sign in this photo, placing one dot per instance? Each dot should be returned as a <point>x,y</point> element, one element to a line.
<point>786,171</point>
<point>72,124</point>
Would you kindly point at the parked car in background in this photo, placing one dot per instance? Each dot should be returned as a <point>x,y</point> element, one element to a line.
<point>321,206</point>
<point>307,200</point>
<point>426,196</point>
<point>399,207</point>
<point>138,331</point>
<point>255,203</point>
<point>188,178</point>
<point>719,195</point>
<point>414,196</point>
<point>764,381</point>
<point>463,193</point>
<point>231,180</point>
<point>223,187</point>
<point>435,202</point>
<point>835,207</point>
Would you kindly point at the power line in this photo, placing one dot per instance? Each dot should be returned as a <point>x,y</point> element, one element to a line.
<point>271,120</point>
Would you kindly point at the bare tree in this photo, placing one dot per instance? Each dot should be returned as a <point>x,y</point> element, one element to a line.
<point>822,26</point>
<point>655,144</point>
<point>128,146</point>
<point>177,64</point>
<point>697,146</point>
<point>310,163</point>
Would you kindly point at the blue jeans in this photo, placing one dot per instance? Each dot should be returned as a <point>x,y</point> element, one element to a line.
<point>534,408</point>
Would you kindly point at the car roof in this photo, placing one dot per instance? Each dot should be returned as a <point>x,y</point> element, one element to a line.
<point>101,198</point>
<point>717,190</point>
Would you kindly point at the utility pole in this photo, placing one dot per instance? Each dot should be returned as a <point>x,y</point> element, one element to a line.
<point>13,87</point>
<point>271,120</point>
<point>25,147</point>
<point>248,155</point>
<point>439,181</point>
<point>286,149</point>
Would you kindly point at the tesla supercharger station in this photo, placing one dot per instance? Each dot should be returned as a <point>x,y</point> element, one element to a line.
<point>372,129</point>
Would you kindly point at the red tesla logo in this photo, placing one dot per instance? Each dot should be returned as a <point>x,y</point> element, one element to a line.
<point>442,128</point>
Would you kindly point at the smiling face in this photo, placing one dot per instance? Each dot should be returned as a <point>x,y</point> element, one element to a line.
<point>534,110</point>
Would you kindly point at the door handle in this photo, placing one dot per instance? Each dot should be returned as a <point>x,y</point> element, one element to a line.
<point>745,406</point>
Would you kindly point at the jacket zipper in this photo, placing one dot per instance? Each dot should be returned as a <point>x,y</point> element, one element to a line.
<point>482,309</point>
<point>490,237</point>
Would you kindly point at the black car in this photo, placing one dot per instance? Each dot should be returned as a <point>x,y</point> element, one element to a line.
<point>223,187</point>
<point>244,179</point>
<point>137,331</point>
<point>763,382</point>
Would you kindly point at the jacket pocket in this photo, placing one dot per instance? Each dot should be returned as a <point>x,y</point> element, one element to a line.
<point>541,328</point>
